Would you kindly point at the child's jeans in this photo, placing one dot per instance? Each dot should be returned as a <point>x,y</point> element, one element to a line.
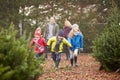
<point>56,57</point>
<point>38,55</point>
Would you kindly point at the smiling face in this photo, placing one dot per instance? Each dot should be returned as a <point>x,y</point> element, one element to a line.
<point>60,37</point>
<point>75,30</point>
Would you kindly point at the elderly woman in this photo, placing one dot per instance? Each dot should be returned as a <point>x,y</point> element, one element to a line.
<point>76,39</point>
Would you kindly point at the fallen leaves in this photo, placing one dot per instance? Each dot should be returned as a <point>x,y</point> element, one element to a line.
<point>88,69</point>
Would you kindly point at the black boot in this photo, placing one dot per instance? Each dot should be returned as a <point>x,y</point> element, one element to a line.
<point>71,61</point>
<point>76,61</point>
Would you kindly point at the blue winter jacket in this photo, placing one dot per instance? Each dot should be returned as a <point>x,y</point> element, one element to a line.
<point>76,41</point>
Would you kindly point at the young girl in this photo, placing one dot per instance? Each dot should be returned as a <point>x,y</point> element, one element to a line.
<point>57,47</point>
<point>76,40</point>
<point>39,43</point>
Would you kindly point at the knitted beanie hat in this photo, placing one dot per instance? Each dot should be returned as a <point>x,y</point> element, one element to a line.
<point>61,33</point>
<point>37,32</point>
<point>75,26</point>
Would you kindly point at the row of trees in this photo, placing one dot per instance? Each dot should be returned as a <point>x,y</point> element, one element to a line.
<point>38,11</point>
<point>10,9</point>
<point>90,15</point>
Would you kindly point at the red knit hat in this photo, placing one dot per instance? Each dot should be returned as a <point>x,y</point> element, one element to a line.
<point>37,32</point>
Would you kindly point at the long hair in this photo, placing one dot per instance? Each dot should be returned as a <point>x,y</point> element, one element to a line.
<point>67,23</point>
<point>71,33</point>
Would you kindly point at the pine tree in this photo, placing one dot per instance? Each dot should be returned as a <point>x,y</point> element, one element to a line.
<point>17,62</point>
<point>107,46</point>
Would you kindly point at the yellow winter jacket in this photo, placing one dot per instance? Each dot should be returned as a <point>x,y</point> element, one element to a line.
<point>52,41</point>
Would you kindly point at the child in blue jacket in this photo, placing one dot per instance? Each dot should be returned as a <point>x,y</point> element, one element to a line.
<point>76,39</point>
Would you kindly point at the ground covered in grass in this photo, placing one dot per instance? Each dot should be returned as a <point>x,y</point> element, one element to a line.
<point>88,69</point>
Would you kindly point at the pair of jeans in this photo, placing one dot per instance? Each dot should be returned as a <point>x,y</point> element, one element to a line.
<point>38,55</point>
<point>56,56</point>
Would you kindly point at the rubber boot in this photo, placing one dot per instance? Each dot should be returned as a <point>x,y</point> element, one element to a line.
<point>76,61</point>
<point>56,65</point>
<point>71,61</point>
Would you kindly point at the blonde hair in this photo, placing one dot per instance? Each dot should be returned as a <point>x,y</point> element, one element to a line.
<point>71,33</point>
<point>67,23</point>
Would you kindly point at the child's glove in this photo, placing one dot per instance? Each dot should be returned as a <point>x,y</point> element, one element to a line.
<point>48,48</point>
<point>81,49</point>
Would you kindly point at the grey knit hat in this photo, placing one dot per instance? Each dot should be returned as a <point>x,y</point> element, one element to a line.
<point>75,26</point>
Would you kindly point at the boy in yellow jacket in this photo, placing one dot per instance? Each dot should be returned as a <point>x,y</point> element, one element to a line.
<point>56,43</point>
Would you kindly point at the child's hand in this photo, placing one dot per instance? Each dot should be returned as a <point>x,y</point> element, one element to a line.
<point>81,49</point>
<point>48,48</point>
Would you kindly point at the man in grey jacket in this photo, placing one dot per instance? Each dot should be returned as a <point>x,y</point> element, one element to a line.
<point>51,30</point>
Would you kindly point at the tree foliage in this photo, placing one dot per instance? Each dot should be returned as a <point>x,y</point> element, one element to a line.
<point>17,62</point>
<point>36,13</point>
<point>107,46</point>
